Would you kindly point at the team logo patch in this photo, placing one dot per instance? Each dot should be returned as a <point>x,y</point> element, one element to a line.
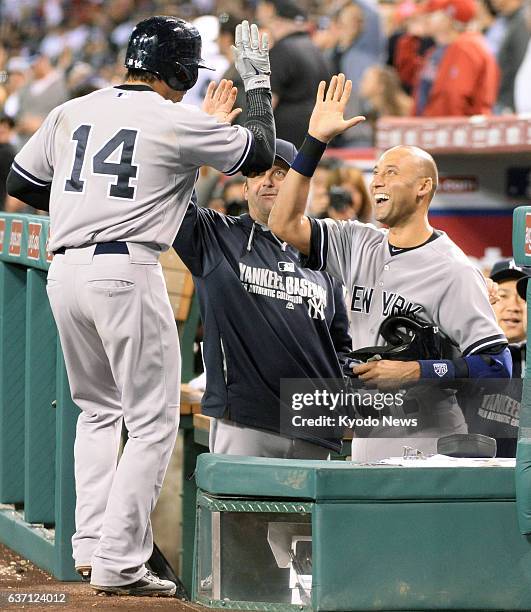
<point>316,308</point>
<point>286,266</point>
<point>440,369</point>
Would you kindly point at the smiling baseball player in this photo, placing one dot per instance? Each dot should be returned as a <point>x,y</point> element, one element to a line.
<point>117,169</point>
<point>409,269</point>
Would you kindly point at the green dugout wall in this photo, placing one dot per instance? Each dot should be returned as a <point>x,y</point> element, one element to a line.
<point>37,416</point>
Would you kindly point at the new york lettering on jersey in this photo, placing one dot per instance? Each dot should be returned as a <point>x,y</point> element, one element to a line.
<point>391,303</point>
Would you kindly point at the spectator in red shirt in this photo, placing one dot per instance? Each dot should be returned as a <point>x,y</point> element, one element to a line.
<point>409,45</point>
<point>460,76</point>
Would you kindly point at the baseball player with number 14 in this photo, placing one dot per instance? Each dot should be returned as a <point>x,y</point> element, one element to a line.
<point>117,170</point>
<point>409,269</point>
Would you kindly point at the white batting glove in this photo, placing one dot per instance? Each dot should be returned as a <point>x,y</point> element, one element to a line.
<point>251,56</point>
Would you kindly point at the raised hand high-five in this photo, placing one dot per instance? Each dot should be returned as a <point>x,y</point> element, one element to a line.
<point>251,56</point>
<point>287,219</point>
<point>327,120</point>
<point>219,101</point>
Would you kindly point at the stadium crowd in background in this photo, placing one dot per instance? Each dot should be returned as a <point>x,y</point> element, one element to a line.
<point>404,58</point>
<point>430,58</point>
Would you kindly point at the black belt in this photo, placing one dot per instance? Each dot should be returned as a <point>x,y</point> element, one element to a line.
<point>102,248</point>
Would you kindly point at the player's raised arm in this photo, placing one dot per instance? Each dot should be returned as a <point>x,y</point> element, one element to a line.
<point>287,219</point>
<point>251,58</point>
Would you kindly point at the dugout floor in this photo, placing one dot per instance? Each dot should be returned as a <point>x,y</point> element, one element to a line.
<point>19,576</point>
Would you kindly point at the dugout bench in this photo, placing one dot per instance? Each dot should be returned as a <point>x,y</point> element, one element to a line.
<point>37,415</point>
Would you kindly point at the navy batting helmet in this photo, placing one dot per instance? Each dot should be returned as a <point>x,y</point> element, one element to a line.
<point>168,47</point>
<point>407,339</point>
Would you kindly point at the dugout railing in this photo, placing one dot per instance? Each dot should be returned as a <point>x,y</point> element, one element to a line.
<point>37,415</point>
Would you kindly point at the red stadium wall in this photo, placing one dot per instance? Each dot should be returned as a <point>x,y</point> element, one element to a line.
<point>476,231</point>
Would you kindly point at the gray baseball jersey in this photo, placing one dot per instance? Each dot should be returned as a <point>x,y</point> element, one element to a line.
<point>121,164</point>
<point>142,167</point>
<point>435,282</point>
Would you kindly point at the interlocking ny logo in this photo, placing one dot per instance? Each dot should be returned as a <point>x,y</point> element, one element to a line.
<point>440,369</point>
<point>316,308</point>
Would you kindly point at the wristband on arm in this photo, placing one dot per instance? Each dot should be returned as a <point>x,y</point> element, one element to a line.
<point>309,156</point>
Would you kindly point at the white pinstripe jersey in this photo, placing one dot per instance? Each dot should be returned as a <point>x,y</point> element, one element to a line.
<point>122,163</point>
<point>435,282</point>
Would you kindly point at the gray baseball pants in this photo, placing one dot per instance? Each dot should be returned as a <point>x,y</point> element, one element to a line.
<point>230,438</point>
<point>121,350</point>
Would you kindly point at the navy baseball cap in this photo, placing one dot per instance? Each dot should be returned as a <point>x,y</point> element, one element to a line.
<point>285,151</point>
<point>506,269</point>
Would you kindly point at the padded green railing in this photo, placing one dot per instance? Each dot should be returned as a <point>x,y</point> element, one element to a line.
<point>37,416</point>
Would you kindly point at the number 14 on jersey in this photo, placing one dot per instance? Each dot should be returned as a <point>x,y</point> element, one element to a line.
<point>123,170</point>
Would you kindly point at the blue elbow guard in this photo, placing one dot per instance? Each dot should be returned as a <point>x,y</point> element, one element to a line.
<point>499,365</point>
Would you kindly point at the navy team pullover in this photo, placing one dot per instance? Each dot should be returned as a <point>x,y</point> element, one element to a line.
<point>265,318</point>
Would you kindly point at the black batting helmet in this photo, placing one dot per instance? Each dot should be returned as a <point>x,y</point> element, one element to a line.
<point>168,47</point>
<point>407,339</point>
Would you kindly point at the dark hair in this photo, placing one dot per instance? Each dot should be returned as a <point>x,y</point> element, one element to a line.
<point>141,75</point>
<point>234,180</point>
<point>86,87</point>
<point>490,8</point>
<point>235,208</point>
<point>7,119</point>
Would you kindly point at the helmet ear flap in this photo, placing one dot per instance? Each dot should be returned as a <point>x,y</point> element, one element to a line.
<point>181,77</point>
